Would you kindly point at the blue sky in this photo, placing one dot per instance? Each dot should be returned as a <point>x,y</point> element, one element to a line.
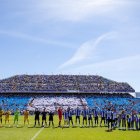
<point>71,37</point>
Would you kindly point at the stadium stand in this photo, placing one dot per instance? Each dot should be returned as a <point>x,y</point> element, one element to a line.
<point>13,102</point>
<point>51,102</point>
<point>50,91</point>
<point>119,102</point>
<point>63,84</point>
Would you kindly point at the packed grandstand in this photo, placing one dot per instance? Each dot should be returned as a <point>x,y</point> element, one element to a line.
<point>63,83</point>
<point>50,91</point>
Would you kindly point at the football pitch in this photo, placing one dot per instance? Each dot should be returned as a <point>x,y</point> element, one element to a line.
<point>39,133</point>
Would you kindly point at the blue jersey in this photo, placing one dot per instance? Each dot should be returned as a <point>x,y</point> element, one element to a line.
<point>70,113</point>
<point>123,116</point>
<point>136,118</point>
<point>109,115</point>
<point>89,113</point>
<point>102,114</point>
<point>132,117</point>
<point>66,115</point>
<point>114,115</point>
<point>77,112</point>
<point>84,113</point>
<point>95,113</point>
<point>128,120</point>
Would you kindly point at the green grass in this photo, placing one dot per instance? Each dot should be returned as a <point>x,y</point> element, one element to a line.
<point>25,133</point>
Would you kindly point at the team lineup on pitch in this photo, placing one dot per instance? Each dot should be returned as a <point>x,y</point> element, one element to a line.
<point>77,133</point>
<point>109,117</point>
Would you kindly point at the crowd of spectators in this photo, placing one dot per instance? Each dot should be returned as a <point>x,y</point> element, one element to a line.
<point>13,102</point>
<point>63,83</point>
<point>118,102</point>
<point>52,102</point>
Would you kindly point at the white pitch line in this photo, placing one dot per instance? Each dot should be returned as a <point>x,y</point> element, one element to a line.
<point>34,137</point>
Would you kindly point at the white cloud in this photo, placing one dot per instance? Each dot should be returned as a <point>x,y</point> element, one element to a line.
<point>121,65</point>
<point>117,64</point>
<point>33,38</point>
<point>75,10</point>
<point>86,50</point>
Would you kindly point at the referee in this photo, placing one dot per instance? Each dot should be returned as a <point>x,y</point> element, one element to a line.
<point>37,113</point>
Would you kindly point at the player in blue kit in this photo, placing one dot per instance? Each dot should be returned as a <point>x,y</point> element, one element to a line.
<point>123,120</point>
<point>70,113</point>
<point>103,117</point>
<point>90,121</point>
<point>66,118</point>
<point>132,120</point>
<point>128,122</point>
<point>77,113</point>
<point>119,121</point>
<point>109,119</point>
<point>114,119</point>
<point>84,113</point>
<point>136,121</point>
<point>95,113</point>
